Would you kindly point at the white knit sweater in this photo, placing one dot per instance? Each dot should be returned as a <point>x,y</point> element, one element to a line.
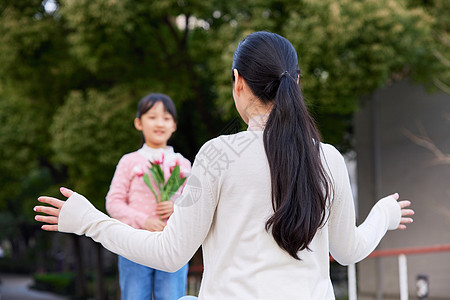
<point>224,207</point>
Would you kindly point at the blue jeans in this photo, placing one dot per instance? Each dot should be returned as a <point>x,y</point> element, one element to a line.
<point>138,282</point>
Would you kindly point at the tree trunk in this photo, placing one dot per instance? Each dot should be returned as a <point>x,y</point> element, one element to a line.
<point>80,283</point>
<point>100,282</point>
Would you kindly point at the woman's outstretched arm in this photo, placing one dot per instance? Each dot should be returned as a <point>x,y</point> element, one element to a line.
<point>167,250</point>
<point>350,243</point>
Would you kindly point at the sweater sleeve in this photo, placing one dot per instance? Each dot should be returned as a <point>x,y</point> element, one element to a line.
<point>117,198</point>
<point>349,243</point>
<point>167,250</point>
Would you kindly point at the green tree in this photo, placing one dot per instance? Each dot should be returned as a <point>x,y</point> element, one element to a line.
<point>85,130</point>
<point>439,9</point>
<point>346,49</point>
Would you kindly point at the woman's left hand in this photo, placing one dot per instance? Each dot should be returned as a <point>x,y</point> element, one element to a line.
<point>164,209</point>
<point>52,212</point>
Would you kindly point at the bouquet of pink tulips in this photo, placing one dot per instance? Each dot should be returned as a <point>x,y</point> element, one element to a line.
<point>165,189</point>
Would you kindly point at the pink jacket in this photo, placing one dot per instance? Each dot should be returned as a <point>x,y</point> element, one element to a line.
<point>129,199</point>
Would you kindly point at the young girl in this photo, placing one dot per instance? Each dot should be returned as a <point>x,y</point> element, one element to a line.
<point>267,205</point>
<point>131,201</point>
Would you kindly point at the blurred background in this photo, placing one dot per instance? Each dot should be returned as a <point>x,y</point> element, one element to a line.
<point>375,75</point>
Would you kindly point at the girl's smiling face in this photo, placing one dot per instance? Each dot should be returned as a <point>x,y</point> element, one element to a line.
<point>157,125</point>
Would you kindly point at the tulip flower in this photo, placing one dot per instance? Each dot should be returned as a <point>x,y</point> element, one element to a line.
<point>164,189</point>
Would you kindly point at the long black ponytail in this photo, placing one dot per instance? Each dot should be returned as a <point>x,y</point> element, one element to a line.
<point>300,186</point>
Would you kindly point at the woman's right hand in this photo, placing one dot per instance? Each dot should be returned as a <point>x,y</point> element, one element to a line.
<point>406,212</point>
<point>154,224</point>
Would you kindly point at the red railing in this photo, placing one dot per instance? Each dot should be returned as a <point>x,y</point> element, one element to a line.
<point>403,273</point>
<point>410,250</point>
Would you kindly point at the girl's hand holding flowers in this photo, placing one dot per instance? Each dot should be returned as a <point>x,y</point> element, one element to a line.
<point>164,209</point>
<point>154,224</point>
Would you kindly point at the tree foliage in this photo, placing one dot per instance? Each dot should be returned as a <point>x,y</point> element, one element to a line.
<point>346,49</point>
<point>85,130</point>
<point>440,47</point>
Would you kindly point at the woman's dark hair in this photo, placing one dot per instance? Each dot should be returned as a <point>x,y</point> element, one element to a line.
<point>300,186</point>
<point>146,103</point>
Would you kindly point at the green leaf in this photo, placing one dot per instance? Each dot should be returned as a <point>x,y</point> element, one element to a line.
<point>159,180</point>
<point>181,181</point>
<point>149,184</point>
<point>158,174</point>
<point>174,183</point>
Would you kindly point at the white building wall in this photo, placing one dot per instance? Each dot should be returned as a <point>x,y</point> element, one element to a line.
<point>390,161</point>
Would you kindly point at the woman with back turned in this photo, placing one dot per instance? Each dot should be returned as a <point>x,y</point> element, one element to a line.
<point>273,203</point>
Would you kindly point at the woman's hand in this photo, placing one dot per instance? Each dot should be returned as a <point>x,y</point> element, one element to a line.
<point>154,224</point>
<point>164,209</point>
<point>52,212</point>
<point>405,212</point>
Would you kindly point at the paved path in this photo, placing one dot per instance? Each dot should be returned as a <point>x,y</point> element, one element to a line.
<point>16,287</point>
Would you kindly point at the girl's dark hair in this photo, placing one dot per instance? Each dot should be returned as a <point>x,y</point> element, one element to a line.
<point>146,103</point>
<point>300,185</point>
